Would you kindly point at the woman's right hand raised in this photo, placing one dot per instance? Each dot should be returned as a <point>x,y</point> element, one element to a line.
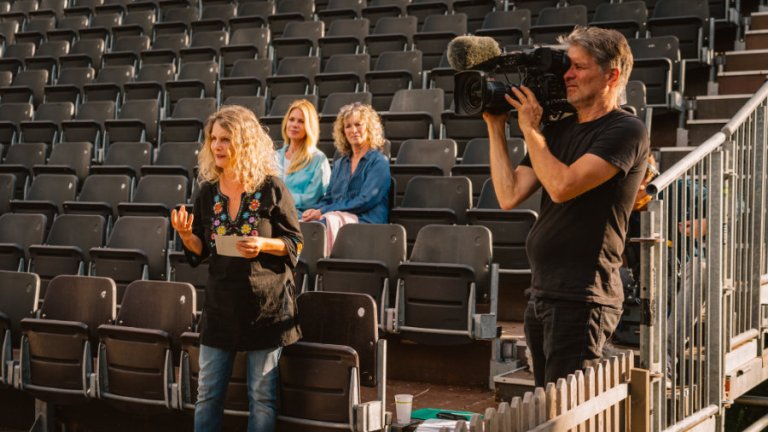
<point>181,221</point>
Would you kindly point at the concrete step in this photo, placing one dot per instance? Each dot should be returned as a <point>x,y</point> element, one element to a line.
<point>759,21</point>
<point>746,60</point>
<point>740,82</point>
<point>668,156</point>
<point>700,130</point>
<point>719,106</point>
<point>756,39</point>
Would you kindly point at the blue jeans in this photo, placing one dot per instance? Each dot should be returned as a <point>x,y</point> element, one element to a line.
<point>215,371</point>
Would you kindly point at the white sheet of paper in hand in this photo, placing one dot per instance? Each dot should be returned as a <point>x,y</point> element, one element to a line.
<point>225,245</point>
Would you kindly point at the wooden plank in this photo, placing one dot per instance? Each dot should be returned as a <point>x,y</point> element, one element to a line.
<point>490,421</point>
<point>590,384</point>
<point>599,388</point>
<point>583,412</point>
<point>516,415</point>
<point>529,411</point>
<point>571,388</point>
<point>614,373</point>
<point>562,398</point>
<point>540,401</point>
<point>461,426</point>
<point>476,423</point>
<point>505,417</point>
<point>640,401</point>
<point>551,401</point>
<point>580,391</point>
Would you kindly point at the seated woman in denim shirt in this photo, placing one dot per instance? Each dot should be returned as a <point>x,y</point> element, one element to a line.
<point>304,168</point>
<point>359,187</point>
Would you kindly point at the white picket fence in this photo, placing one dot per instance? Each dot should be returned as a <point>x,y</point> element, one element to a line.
<point>599,399</point>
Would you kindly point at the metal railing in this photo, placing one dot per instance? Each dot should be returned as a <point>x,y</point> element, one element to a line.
<point>703,242</point>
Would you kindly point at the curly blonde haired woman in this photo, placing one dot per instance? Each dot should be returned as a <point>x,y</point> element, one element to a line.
<point>249,305</point>
<point>304,168</point>
<point>360,181</point>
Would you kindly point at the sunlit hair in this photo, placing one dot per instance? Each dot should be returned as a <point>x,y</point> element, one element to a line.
<point>370,118</point>
<point>610,50</point>
<point>302,155</point>
<point>250,148</point>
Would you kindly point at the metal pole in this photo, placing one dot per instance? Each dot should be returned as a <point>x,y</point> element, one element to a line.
<point>759,425</point>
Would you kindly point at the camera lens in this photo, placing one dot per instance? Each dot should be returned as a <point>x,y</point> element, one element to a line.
<point>468,92</point>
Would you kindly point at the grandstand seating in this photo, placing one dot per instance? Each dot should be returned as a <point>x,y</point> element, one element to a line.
<point>19,297</point>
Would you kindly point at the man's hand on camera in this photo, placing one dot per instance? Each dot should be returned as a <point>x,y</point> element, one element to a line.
<point>496,120</point>
<point>529,111</point>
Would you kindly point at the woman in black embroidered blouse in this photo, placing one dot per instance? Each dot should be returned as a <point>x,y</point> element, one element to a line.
<point>250,300</point>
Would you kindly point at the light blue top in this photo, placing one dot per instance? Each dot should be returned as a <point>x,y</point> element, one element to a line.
<point>308,184</point>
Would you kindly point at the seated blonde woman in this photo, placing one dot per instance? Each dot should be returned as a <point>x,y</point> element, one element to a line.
<point>304,168</point>
<point>359,187</point>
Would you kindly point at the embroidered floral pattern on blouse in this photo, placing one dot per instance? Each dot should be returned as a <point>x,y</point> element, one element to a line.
<point>245,222</point>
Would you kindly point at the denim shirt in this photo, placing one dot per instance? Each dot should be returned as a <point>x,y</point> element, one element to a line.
<point>308,184</point>
<point>364,193</point>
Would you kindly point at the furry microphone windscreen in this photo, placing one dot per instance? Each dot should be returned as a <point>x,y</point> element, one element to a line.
<point>466,52</point>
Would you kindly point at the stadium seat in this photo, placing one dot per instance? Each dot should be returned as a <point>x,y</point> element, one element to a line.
<point>88,124</point>
<point>475,161</point>
<point>433,37</point>
<point>127,51</point>
<point>68,158</point>
<point>137,121</point>
<point>355,267</point>
<point>344,36</point>
<point>657,64</point>
<point>215,17</point>
<point>555,21</point>
<point>245,43</point>
<point>421,9</point>
<point>390,34</point>
<point>19,161</point>
<point>535,6</point>
<point>295,75</point>
<point>19,297</point>
<point>177,20</point>
<point>11,116</point>
<point>287,11</point>
<point>175,158</point>
<point>378,9</point>
<point>627,17</point>
<point>488,196</point>
<point>440,287</point>
<point>252,15</point>
<point>204,46</point>
<point>7,186</point>
<point>67,28</point>
<point>507,27</point>
<point>394,70</point>
<point>248,77</point>
<point>100,195</point>
<point>108,85</point>
<point>17,233</point>
<point>257,104</point>
<point>46,194</point>
<point>46,125</point>
<point>315,247</point>
<point>135,23</point>
<point>188,120</point>
<point>125,158</point>
<point>27,87</point>
<point>14,55</point>
<point>59,347</point>
<point>422,157</point>
<point>343,73</point>
<point>137,354</point>
<point>689,22</point>
<point>195,80</point>
<point>69,86</point>
<point>413,114</point>
<point>181,271</point>
<point>156,195</point>
<point>84,53</point>
<point>298,39</point>
<point>476,11</point>
<point>47,58</point>
<point>337,10</point>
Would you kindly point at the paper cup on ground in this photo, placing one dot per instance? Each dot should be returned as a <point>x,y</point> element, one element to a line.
<point>403,406</point>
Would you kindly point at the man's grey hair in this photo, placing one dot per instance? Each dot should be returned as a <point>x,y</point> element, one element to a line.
<point>610,50</point>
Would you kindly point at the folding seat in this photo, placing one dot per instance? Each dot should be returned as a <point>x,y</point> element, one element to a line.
<point>657,64</point>
<point>555,21</point>
<point>344,36</point>
<point>70,85</point>
<point>215,17</point>
<point>46,125</point>
<point>6,78</point>
<point>422,157</point>
<point>17,233</point>
<point>535,6</point>
<point>636,96</point>
<point>342,73</point>
<point>295,75</point>
<point>355,267</point>
<point>156,195</point>
<point>298,39</point>
<point>20,10</point>
<point>475,161</point>
<point>393,71</point>
<point>252,15</point>
<point>442,77</point>
<point>320,376</point>
<point>627,17</point>
<point>137,355</point>
<point>188,120</point>
<point>413,114</point>
<point>182,271</point>
<point>433,38</point>
<point>67,28</point>
<point>8,31</point>
<point>340,9</point>
<point>245,43</point>
<point>89,122</point>
<point>127,50</point>
<point>462,129</point>
<point>432,200</point>
<point>59,348</point>
<point>165,49</point>
<point>84,53</point>
<point>177,20</point>
<point>287,11</point>
<point>15,54</point>
<point>391,34</point>
<point>7,187</point>
<point>19,297</point>
<point>47,57</point>
<point>248,77</point>
<point>421,9</point>
<point>175,158</point>
<point>46,195</point>
<point>488,197</point>
<point>36,29</point>
<point>68,158</point>
<point>101,26</point>
<point>124,158</point>
<point>11,116</point>
<point>150,82</point>
<point>136,249</point>
<point>27,86</point>
<point>100,195</point>
<point>137,121</point>
<point>315,247</point>
<point>378,9</point>
<point>135,23</point>
<point>257,104</point>
<point>507,27</point>
<point>440,287</point>
<point>67,248</point>
<point>108,85</point>
<point>476,11</point>
<point>195,80</point>
<point>689,21</point>
<point>330,111</point>
<point>19,161</point>
<point>204,46</point>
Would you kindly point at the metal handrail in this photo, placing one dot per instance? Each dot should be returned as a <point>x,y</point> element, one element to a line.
<point>743,114</point>
<point>695,156</point>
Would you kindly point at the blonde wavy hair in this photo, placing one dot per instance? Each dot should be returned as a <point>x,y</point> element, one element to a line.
<point>370,119</point>
<point>302,156</point>
<point>250,148</point>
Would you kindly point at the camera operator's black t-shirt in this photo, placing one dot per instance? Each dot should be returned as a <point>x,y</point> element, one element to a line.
<point>575,247</point>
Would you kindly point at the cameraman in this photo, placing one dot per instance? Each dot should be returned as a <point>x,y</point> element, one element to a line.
<point>590,165</point>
